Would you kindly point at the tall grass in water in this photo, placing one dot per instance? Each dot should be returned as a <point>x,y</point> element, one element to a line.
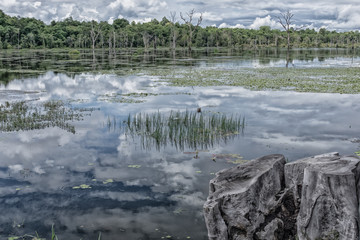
<point>53,236</point>
<point>18,116</point>
<point>183,129</point>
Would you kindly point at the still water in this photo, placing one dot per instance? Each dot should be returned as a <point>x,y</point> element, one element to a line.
<point>102,179</point>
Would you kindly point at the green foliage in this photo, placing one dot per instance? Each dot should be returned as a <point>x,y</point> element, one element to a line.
<point>53,235</point>
<point>74,52</point>
<point>16,32</point>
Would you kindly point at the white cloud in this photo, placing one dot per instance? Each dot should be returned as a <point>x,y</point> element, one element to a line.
<point>37,4</point>
<point>266,21</point>
<point>142,20</point>
<point>8,3</point>
<point>210,16</point>
<point>128,4</point>
<point>225,25</point>
<point>348,18</point>
<point>110,20</point>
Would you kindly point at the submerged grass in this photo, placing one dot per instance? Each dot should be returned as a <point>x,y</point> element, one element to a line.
<point>320,80</point>
<point>183,129</point>
<point>23,116</point>
<point>32,237</point>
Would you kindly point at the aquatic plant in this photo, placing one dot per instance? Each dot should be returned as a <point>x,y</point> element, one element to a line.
<point>16,116</point>
<point>183,129</point>
<point>32,237</point>
<point>321,80</point>
<point>53,235</point>
<point>134,97</point>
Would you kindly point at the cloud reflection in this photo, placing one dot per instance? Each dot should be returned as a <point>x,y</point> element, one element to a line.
<point>38,169</point>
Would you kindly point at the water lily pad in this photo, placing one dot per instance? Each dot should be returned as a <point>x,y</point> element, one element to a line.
<point>13,238</point>
<point>108,181</point>
<point>82,186</point>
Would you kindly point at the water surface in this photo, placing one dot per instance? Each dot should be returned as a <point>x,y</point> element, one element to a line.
<point>102,179</point>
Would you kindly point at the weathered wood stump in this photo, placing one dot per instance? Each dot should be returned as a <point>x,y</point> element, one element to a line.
<point>312,198</point>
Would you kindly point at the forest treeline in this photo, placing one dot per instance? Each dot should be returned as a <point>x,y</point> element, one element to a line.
<point>18,33</point>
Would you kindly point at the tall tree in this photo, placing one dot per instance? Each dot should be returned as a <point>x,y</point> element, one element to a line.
<point>174,32</point>
<point>285,20</point>
<point>190,25</point>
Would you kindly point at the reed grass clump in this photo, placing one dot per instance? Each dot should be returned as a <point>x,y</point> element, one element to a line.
<point>183,129</point>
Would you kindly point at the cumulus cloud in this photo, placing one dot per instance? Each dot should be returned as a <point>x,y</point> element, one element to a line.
<point>211,16</point>
<point>225,25</point>
<point>266,21</point>
<point>8,3</point>
<point>348,17</point>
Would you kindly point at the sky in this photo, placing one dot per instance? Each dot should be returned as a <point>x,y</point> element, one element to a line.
<point>330,14</point>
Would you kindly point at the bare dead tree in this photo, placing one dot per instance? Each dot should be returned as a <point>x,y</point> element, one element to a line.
<point>146,39</point>
<point>94,33</point>
<point>285,20</point>
<point>110,43</point>
<point>189,23</point>
<point>114,41</point>
<point>174,33</point>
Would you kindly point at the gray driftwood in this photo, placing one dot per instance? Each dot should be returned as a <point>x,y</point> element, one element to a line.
<point>267,198</point>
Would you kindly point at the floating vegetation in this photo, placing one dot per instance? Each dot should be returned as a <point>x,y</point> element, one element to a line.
<point>183,129</point>
<point>25,237</point>
<point>36,236</point>
<point>144,94</point>
<point>82,186</point>
<point>321,80</point>
<point>23,116</point>
<point>108,181</point>
<point>117,99</point>
<point>133,97</point>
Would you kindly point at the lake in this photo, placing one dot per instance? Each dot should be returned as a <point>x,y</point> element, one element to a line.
<point>92,145</point>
